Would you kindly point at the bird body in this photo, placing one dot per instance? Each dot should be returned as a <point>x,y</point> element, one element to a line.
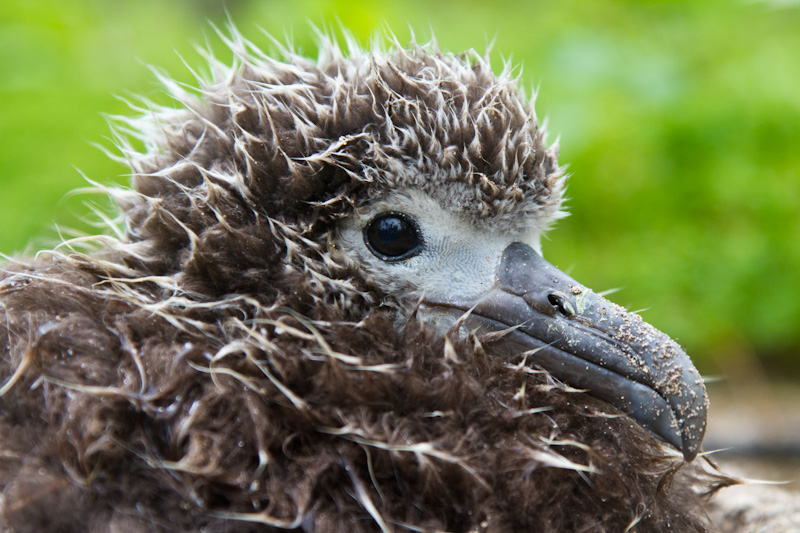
<point>301,324</point>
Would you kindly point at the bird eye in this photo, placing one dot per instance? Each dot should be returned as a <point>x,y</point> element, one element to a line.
<point>393,236</point>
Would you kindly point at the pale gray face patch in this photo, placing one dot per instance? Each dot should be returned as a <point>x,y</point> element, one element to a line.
<point>457,261</point>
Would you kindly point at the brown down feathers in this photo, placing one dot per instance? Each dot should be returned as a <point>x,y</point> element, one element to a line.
<point>221,366</point>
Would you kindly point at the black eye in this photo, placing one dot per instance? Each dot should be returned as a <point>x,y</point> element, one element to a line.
<point>393,236</point>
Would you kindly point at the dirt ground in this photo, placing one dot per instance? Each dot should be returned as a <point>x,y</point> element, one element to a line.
<point>756,427</point>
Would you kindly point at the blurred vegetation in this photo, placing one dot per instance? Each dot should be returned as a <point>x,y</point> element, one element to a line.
<point>679,122</point>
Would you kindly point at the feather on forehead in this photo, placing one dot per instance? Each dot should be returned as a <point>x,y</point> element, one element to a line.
<point>287,134</point>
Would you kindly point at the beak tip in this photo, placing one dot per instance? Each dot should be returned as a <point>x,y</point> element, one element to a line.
<point>692,435</point>
<point>690,449</point>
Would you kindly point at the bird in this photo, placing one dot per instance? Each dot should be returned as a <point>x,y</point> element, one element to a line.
<point>322,305</point>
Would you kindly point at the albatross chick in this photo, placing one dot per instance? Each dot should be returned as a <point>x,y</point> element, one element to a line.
<point>325,309</point>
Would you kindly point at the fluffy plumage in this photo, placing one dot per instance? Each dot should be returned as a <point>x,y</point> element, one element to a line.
<point>222,365</point>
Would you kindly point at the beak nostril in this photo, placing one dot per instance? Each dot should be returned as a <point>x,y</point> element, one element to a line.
<point>560,302</point>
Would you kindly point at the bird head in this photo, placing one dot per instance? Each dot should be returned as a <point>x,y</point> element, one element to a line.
<point>411,181</point>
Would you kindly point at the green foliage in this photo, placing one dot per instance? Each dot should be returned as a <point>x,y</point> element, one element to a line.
<point>678,121</point>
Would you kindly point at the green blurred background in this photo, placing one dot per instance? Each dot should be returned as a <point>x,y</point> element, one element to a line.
<point>679,122</point>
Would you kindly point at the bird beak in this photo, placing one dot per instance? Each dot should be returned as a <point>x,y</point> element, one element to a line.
<point>590,343</point>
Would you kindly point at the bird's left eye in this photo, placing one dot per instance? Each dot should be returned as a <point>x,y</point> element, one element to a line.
<point>393,236</point>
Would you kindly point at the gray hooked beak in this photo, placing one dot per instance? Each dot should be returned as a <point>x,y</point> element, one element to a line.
<point>590,343</point>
